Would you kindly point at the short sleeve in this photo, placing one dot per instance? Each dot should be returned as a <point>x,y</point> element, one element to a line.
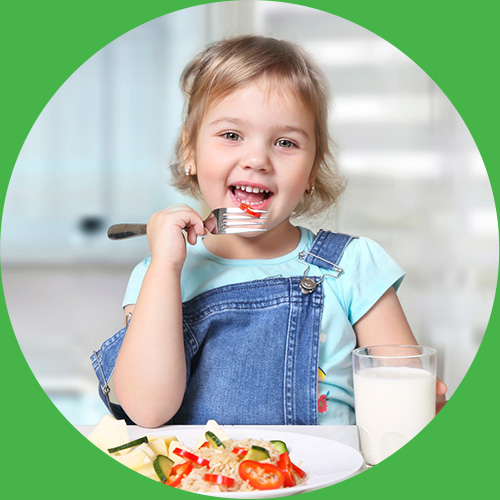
<point>135,282</point>
<point>369,271</point>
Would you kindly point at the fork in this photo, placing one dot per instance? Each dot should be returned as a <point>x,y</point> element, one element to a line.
<point>230,220</point>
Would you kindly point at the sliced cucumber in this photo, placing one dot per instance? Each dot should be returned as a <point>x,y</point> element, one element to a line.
<point>280,446</point>
<point>135,442</point>
<point>213,440</point>
<point>163,466</point>
<point>257,453</point>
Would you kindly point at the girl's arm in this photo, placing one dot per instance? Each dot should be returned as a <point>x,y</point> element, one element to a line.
<point>150,372</point>
<point>386,323</point>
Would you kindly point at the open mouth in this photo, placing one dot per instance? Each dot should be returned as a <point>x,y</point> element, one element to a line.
<point>252,196</point>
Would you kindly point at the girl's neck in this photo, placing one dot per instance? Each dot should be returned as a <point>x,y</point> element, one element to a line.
<point>271,244</point>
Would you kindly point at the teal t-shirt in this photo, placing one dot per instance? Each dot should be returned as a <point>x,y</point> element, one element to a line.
<point>369,271</point>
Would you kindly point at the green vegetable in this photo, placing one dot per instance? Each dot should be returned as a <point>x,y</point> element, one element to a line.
<point>280,446</point>
<point>213,440</point>
<point>257,453</point>
<point>163,466</point>
<point>136,442</point>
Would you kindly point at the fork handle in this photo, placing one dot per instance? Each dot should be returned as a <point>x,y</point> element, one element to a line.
<point>124,231</point>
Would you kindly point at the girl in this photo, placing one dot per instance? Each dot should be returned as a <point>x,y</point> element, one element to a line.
<point>254,328</point>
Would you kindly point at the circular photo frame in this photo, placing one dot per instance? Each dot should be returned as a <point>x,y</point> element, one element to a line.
<point>92,109</point>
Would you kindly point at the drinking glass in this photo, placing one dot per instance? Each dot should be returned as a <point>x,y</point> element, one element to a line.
<point>394,396</point>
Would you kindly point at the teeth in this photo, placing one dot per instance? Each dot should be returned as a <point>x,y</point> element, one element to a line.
<point>251,203</point>
<point>250,189</point>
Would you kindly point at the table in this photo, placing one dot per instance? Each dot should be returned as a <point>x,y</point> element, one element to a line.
<point>346,434</point>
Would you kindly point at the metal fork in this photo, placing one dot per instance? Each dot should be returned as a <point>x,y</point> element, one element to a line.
<point>229,220</point>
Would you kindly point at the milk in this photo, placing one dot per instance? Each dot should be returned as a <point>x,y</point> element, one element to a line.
<point>393,404</point>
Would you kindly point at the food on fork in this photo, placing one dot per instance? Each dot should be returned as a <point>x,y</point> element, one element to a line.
<point>249,210</point>
<point>216,463</point>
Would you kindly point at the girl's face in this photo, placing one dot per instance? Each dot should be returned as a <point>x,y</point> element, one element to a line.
<point>256,147</point>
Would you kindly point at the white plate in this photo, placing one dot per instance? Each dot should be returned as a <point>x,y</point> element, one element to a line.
<point>325,461</point>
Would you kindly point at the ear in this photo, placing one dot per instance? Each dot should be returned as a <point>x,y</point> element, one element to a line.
<point>312,180</point>
<point>189,156</point>
<point>189,162</point>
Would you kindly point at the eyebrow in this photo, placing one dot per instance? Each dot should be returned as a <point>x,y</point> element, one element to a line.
<point>284,128</point>
<point>298,130</point>
<point>235,121</point>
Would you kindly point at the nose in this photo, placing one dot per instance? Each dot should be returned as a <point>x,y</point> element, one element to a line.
<point>256,157</point>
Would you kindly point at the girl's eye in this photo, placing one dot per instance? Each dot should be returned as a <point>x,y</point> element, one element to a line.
<point>232,136</point>
<point>285,143</point>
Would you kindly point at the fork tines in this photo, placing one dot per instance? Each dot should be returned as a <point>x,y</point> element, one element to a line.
<point>238,214</point>
<point>239,230</point>
<point>243,219</point>
<point>243,222</point>
<point>235,220</point>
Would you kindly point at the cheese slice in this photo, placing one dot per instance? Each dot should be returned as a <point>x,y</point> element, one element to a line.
<point>159,447</point>
<point>176,458</point>
<point>109,433</point>
<point>146,448</point>
<point>149,471</point>
<point>134,460</point>
<point>214,427</point>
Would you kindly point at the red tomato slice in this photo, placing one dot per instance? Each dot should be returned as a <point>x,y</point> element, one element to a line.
<point>177,474</point>
<point>241,452</point>
<point>285,466</point>
<point>192,457</point>
<point>261,476</point>
<point>249,211</point>
<point>297,470</point>
<point>220,479</point>
<point>206,444</point>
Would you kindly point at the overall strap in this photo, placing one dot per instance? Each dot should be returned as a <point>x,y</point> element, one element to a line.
<point>325,252</point>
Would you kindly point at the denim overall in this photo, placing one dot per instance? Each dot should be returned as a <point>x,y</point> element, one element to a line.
<point>251,348</point>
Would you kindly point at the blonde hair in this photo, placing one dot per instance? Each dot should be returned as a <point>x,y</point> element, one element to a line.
<point>233,63</point>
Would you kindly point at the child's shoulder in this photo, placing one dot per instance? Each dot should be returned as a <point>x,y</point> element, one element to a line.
<point>367,273</point>
<point>364,245</point>
<point>353,246</point>
<point>358,254</point>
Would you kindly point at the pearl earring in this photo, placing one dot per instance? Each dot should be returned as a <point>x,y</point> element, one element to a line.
<point>311,191</point>
<point>187,170</point>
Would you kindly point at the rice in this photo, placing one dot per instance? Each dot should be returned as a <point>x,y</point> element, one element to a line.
<point>223,461</point>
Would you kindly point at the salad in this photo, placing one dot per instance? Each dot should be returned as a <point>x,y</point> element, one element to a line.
<point>216,463</point>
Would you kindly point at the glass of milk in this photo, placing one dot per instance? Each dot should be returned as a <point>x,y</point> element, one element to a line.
<point>394,396</point>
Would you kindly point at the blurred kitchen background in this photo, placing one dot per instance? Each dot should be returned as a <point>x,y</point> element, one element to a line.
<point>98,154</point>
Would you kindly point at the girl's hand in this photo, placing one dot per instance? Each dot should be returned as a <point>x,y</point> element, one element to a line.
<point>165,234</point>
<point>440,395</point>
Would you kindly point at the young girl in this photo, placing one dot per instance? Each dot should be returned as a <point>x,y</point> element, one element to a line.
<point>254,328</point>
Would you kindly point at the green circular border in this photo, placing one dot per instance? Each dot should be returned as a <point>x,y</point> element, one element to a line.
<point>43,43</point>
